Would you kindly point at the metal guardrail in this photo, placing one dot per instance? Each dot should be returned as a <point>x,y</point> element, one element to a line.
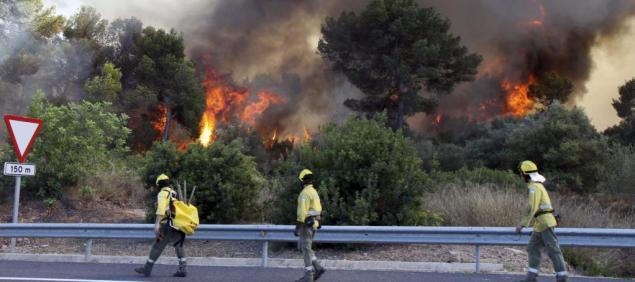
<point>476,236</point>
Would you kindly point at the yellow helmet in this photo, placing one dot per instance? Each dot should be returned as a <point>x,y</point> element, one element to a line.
<point>304,173</point>
<point>527,167</point>
<point>161,177</point>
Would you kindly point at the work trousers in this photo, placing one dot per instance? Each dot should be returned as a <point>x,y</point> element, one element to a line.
<point>169,235</point>
<point>548,240</point>
<point>306,246</point>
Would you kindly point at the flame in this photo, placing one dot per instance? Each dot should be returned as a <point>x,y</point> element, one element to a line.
<point>517,96</point>
<point>307,135</point>
<point>275,135</point>
<point>437,119</point>
<point>159,125</point>
<point>266,99</point>
<point>225,102</point>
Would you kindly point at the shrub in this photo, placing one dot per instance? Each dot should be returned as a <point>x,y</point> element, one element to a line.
<point>504,179</point>
<point>621,171</point>
<point>366,174</point>
<point>227,181</point>
<point>75,141</point>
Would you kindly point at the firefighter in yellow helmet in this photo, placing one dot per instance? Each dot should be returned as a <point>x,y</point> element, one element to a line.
<point>541,212</point>
<point>307,223</point>
<point>165,234</point>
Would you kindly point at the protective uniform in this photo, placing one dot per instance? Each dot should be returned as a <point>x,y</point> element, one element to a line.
<point>307,223</point>
<point>167,235</point>
<point>541,212</point>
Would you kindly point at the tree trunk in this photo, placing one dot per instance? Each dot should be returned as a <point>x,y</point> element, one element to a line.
<point>168,120</point>
<point>400,106</point>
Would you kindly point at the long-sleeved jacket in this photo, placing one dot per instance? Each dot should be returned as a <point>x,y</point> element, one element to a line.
<point>539,201</point>
<point>308,204</point>
<point>163,201</point>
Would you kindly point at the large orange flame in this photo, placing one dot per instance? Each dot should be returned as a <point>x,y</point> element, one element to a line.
<point>518,101</point>
<point>266,99</point>
<point>224,102</point>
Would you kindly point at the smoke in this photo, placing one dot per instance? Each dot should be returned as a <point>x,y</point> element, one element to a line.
<point>522,38</point>
<point>272,45</point>
<point>30,62</point>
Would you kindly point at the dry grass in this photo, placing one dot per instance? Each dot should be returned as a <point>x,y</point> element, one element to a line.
<point>488,205</point>
<point>476,205</point>
<point>117,184</point>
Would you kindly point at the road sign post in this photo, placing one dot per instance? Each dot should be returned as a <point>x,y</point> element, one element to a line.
<point>23,131</point>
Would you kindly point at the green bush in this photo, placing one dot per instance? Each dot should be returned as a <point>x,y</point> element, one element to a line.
<point>620,171</point>
<point>366,174</point>
<point>228,183</point>
<point>75,141</point>
<point>565,145</point>
<point>227,180</point>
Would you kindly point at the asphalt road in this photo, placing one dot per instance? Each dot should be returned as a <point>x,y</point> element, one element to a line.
<point>80,272</point>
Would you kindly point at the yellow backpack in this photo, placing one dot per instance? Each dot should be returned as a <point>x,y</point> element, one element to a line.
<point>183,216</point>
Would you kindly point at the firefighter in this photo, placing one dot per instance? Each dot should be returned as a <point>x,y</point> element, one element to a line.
<point>165,234</point>
<point>308,221</point>
<point>542,213</point>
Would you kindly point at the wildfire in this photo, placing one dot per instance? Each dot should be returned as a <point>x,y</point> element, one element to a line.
<point>517,96</point>
<point>224,102</point>
<point>437,119</point>
<point>275,135</point>
<point>307,135</point>
<point>266,99</point>
<point>159,125</point>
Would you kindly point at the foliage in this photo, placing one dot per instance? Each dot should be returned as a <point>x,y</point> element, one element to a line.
<point>620,171</point>
<point>624,132</point>
<point>164,70</point>
<point>625,104</point>
<point>391,51</point>
<point>228,183</point>
<point>366,174</point>
<point>549,88</point>
<point>86,24</point>
<point>75,140</point>
<point>227,180</point>
<point>104,87</point>
<point>565,146</point>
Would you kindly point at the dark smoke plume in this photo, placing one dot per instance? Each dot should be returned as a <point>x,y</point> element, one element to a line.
<point>271,44</point>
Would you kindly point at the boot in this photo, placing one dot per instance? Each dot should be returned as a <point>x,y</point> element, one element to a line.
<point>182,272</point>
<point>561,278</point>
<point>531,277</point>
<point>319,270</point>
<point>145,270</point>
<point>308,277</point>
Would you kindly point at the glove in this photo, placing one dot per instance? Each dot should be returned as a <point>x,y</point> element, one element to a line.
<point>519,229</point>
<point>296,232</point>
<point>309,221</point>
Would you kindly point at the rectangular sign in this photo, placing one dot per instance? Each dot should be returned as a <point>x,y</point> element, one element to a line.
<point>18,169</point>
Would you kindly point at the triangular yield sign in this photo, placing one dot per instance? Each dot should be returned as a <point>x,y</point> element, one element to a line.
<point>23,131</point>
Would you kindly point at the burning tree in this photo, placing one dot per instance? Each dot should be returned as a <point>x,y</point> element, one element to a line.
<point>165,71</point>
<point>393,51</point>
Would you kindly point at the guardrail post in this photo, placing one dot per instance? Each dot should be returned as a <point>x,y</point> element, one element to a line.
<point>89,249</point>
<point>477,258</point>
<point>265,253</point>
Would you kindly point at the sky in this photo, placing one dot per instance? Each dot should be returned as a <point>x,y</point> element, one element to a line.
<point>614,61</point>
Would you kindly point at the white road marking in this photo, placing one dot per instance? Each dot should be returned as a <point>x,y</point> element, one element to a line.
<point>58,279</point>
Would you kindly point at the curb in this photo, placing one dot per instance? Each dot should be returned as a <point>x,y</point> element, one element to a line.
<point>271,262</point>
